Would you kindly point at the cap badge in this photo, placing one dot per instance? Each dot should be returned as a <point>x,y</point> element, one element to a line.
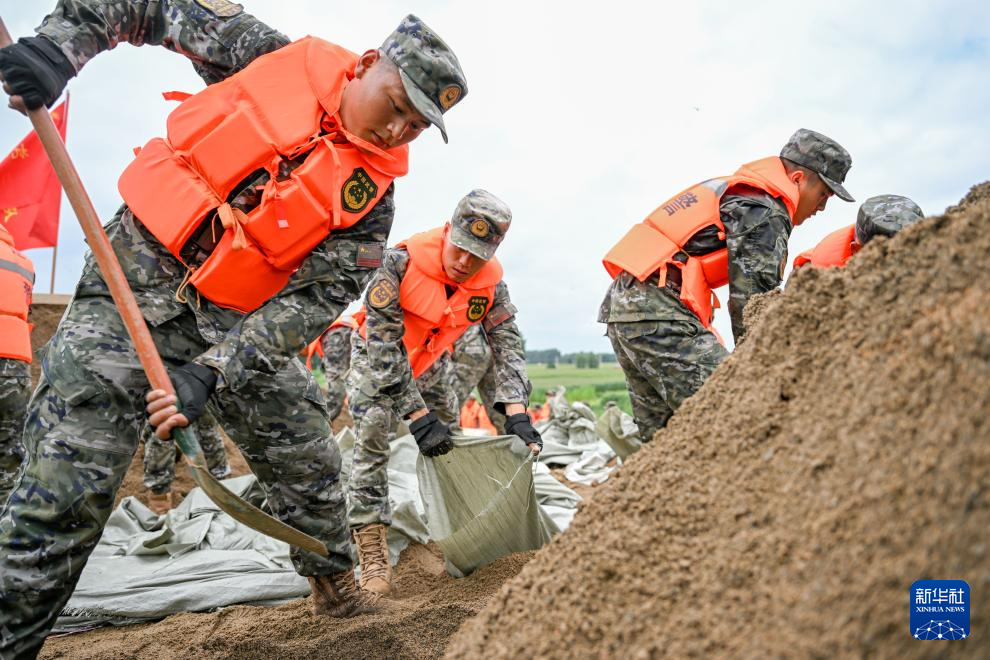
<point>449,95</point>
<point>480,228</point>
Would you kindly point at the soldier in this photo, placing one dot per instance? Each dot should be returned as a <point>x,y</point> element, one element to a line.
<point>429,290</point>
<point>159,461</point>
<point>474,367</point>
<point>730,230</point>
<point>272,220</point>
<point>882,215</point>
<point>334,349</point>
<point>16,282</point>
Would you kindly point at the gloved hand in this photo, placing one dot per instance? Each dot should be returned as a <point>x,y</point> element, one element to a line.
<point>432,435</point>
<point>520,425</point>
<point>193,386</point>
<point>35,69</point>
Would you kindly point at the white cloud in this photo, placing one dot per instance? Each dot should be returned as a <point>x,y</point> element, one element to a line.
<point>586,116</point>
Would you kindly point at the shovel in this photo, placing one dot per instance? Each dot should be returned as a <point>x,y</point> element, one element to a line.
<point>234,506</point>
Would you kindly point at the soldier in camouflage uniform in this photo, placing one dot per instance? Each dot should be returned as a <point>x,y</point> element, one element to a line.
<point>16,280</point>
<point>474,367</point>
<point>383,388</point>
<point>661,345</point>
<point>15,389</point>
<point>159,460</point>
<point>881,215</point>
<point>85,419</point>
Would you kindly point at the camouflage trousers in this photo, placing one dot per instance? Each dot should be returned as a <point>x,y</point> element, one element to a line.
<point>374,423</point>
<point>159,455</point>
<point>15,389</point>
<point>665,362</point>
<point>335,363</point>
<point>83,426</point>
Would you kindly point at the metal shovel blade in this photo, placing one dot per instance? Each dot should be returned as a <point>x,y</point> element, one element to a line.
<point>236,507</point>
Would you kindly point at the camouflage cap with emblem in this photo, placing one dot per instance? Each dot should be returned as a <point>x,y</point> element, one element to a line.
<point>885,215</point>
<point>430,72</point>
<point>822,155</point>
<point>479,223</point>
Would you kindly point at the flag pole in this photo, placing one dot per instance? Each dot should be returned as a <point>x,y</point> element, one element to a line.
<point>51,289</point>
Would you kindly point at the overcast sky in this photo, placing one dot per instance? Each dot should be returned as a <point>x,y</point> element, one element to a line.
<point>584,117</point>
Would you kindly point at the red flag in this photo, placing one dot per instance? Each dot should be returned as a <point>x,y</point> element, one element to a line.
<point>30,194</point>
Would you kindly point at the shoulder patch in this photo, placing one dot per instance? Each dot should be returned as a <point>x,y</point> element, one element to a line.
<point>477,306</point>
<point>221,8</point>
<point>357,191</point>
<point>383,293</point>
<point>499,315</point>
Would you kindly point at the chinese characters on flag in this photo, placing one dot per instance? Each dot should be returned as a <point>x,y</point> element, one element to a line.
<point>30,193</point>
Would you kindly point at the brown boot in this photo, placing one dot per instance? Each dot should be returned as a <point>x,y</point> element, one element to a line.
<point>376,569</point>
<point>338,596</point>
<point>160,503</point>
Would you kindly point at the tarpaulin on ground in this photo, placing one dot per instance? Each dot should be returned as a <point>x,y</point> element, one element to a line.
<point>193,559</point>
<point>481,503</point>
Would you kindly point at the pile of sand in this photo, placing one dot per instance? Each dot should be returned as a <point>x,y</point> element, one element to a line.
<point>841,453</point>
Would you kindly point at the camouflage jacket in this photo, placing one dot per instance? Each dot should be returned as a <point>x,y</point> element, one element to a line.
<point>757,228</point>
<point>391,373</point>
<point>219,41</point>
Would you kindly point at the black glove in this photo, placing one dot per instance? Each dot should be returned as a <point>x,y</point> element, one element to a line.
<point>520,425</point>
<point>194,384</point>
<point>432,435</point>
<point>35,69</point>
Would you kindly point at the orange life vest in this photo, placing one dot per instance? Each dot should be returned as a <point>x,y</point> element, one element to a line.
<point>474,416</point>
<point>16,282</point>
<point>315,347</point>
<point>432,321</point>
<point>834,250</point>
<point>650,246</point>
<point>283,105</point>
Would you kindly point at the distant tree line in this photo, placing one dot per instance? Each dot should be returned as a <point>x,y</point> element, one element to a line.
<point>582,360</point>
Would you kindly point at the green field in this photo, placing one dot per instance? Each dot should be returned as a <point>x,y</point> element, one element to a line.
<point>594,387</point>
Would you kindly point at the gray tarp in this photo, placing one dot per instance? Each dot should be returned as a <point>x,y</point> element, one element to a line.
<point>480,502</point>
<point>193,559</point>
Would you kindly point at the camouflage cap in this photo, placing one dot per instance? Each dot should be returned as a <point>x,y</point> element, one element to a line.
<point>430,72</point>
<point>822,155</point>
<point>479,223</point>
<point>885,215</point>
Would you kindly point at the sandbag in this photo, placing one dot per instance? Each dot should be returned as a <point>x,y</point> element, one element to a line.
<point>619,430</point>
<point>480,502</point>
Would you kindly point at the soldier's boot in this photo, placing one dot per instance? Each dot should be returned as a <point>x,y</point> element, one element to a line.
<point>372,547</point>
<point>339,596</point>
<point>160,503</point>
